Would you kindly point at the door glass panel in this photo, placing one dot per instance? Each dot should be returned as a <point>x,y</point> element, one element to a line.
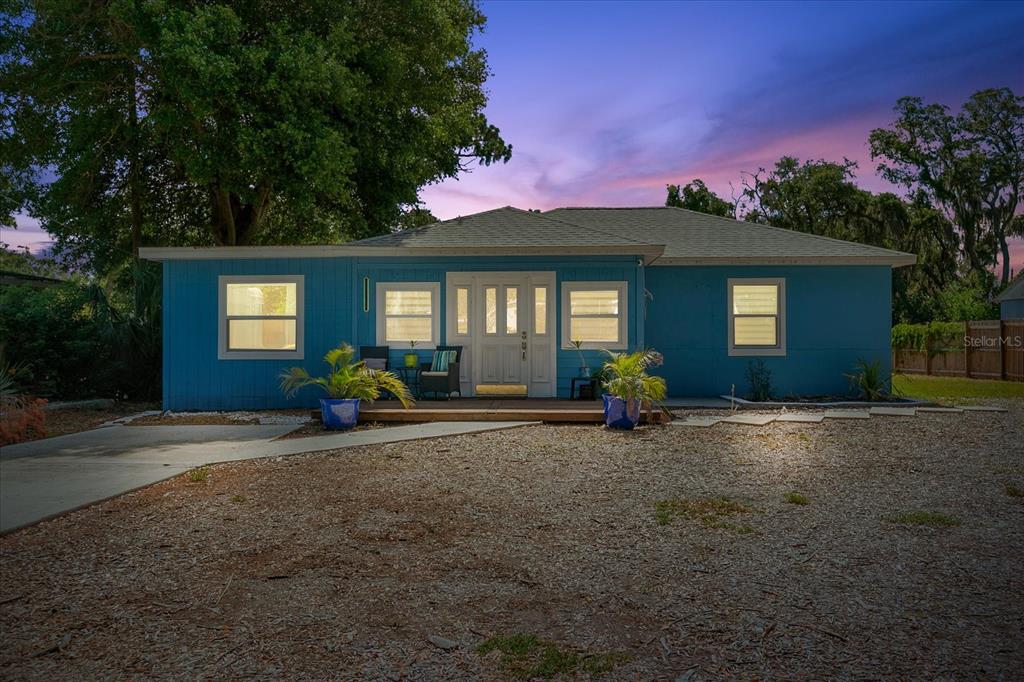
<point>491,312</point>
<point>462,310</point>
<point>511,310</point>
<point>540,310</point>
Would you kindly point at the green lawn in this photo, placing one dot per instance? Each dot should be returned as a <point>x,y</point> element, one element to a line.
<point>934,388</point>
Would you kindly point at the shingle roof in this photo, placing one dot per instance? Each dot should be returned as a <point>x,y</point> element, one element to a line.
<point>1014,292</point>
<point>508,226</point>
<point>690,237</point>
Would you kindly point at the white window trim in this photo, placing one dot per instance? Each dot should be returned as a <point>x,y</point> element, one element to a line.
<point>222,318</point>
<point>622,287</point>
<point>753,351</point>
<point>435,313</point>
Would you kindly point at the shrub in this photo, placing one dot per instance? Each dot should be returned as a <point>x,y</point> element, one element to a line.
<point>932,336</point>
<point>760,379</point>
<point>79,340</point>
<point>868,381</point>
<point>21,417</point>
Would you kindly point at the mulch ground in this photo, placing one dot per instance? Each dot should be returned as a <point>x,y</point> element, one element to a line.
<point>612,547</point>
<point>61,422</point>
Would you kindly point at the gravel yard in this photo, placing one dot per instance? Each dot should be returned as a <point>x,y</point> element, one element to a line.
<point>550,550</point>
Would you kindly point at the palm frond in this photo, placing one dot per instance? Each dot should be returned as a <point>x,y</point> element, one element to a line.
<point>347,378</point>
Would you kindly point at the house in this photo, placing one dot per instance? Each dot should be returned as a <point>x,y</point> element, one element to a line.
<point>515,287</point>
<point>1011,301</point>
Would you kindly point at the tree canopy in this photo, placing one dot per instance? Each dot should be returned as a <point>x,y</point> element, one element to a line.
<point>969,164</point>
<point>697,197</point>
<point>232,122</point>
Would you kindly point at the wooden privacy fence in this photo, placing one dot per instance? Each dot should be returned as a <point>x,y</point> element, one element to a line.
<point>987,349</point>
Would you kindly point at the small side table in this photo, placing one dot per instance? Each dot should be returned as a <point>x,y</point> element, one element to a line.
<point>587,387</point>
<point>411,377</point>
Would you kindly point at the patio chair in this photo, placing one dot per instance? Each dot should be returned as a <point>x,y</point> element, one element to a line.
<point>441,375</point>
<point>375,357</point>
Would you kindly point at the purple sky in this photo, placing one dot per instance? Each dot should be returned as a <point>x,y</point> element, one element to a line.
<point>605,103</point>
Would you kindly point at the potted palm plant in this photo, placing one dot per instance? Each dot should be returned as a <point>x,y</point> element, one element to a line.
<point>628,386</point>
<point>347,383</point>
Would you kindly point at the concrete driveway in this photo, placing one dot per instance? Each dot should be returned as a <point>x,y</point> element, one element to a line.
<point>47,477</point>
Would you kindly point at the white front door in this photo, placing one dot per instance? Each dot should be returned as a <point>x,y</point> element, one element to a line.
<point>505,322</point>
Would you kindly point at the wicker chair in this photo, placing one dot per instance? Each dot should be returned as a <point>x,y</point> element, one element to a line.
<point>442,382</point>
<point>375,353</point>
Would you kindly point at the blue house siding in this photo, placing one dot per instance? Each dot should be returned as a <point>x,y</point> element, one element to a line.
<point>834,316</point>
<point>194,378</point>
<point>1012,310</point>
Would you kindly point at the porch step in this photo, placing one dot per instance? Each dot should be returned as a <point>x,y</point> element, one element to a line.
<point>501,390</point>
<point>420,414</point>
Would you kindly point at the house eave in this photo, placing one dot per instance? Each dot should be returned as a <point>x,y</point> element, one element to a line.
<point>647,253</point>
<point>896,260</point>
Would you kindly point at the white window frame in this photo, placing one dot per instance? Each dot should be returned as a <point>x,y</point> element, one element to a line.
<point>222,318</point>
<point>622,287</point>
<point>780,318</point>
<point>435,312</point>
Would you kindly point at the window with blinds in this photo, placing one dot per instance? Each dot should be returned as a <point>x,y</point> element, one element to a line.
<point>594,313</point>
<point>756,320</point>
<point>407,314</point>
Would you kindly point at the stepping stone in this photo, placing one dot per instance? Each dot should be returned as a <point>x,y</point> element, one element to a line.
<point>847,414</point>
<point>944,410</point>
<point>982,408</point>
<point>696,421</point>
<point>750,419</point>
<point>892,411</point>
<point>801,417</point>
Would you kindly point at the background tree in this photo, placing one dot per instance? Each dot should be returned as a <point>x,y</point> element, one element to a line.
<point>697,197</point>
<point>417,216</point>
<point>822,197</point>
<point>239,122</point>
<point>970,164</point>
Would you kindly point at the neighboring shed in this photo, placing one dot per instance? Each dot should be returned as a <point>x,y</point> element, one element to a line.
<point>1011,301</point>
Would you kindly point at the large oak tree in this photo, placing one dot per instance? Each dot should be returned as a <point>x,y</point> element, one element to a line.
<point>238,122</point>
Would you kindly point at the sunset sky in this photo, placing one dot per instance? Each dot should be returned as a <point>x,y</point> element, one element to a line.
<point>607,102</point>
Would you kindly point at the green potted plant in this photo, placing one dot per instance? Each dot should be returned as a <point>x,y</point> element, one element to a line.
<point>578,345</point>
<point>411,359</point>
<point>628,386</point>
<point>347,383</point>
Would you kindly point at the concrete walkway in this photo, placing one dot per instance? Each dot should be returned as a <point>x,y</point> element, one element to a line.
<point>48,477</point>
<point>809,417</point>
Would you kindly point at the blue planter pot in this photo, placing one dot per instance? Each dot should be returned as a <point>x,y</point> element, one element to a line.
<point>619,413</point>
<point>339,413</point>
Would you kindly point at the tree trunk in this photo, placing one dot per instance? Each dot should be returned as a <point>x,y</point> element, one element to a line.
<point>134,161</point>
<point>1004,249</point>
<point>235,223</point>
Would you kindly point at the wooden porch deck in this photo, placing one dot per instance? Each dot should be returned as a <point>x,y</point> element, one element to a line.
<point>490,409</point>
